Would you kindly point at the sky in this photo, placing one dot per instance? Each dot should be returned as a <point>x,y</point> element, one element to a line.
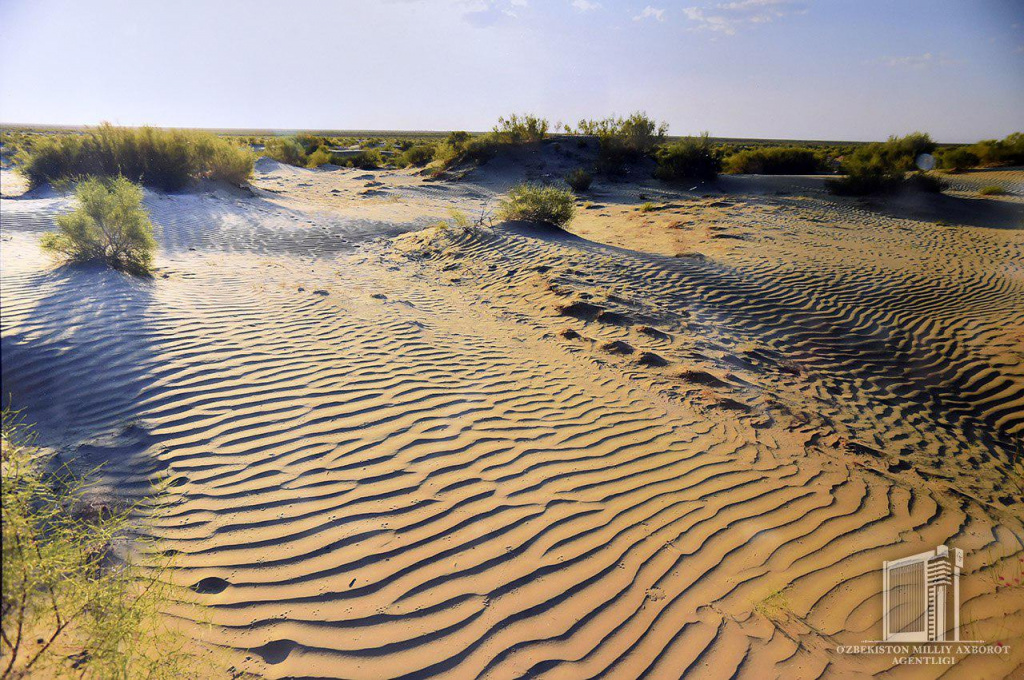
<point>782,69</point>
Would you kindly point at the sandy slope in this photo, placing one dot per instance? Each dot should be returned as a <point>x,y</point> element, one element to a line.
<point>639,450</point>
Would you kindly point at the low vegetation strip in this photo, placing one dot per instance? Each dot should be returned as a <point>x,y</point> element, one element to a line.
<point>164,159</point>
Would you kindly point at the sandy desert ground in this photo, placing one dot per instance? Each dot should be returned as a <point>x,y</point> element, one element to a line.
<point>669,442</point>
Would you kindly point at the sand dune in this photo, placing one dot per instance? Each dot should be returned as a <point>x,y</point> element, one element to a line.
<point>396,450</point>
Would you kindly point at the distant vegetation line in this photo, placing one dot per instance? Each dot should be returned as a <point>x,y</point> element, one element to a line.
<point>170,159</point>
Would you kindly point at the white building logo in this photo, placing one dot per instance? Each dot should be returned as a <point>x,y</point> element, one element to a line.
<point>921,597</point>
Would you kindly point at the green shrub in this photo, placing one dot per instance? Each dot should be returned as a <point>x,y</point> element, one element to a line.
<point>957,159</point>
<point>624,140</point>
<point>992,190</point>
<point>690,158</point>
<point>286,150</point>
<point>923,181</point>
<point>518,129</point>
<point>776,161</point>
<point>417,155</point>
<point>366,159</point>
<point>537,203</point>
<point>166,159</point>
<point>321,156</point>
<point>579,180</point>
<point>110,225</point>
<point>71,607</point>
<point>880,167</point>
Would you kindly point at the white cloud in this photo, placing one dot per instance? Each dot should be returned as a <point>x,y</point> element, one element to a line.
<point>919,62</point>
<point>650,13</point>
<point>729,17</point>
<point>585,5</point>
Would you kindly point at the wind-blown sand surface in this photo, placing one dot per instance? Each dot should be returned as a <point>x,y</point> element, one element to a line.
<point>670,442</point>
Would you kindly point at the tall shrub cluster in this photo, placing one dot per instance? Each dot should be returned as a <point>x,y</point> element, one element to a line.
<point>882,166</point>
<point>689,158</point>
<point>165,159</point>
<point>624,140</point>
<point>776,160</point>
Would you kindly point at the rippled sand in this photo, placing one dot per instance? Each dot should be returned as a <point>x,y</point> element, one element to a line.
<point>676,442</point>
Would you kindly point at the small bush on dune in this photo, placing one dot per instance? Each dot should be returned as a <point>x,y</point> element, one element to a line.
<point>417,155</point>
<point>366,159</point>
<point>286,150</point>
<point>881,167</point>
<point>71,608</point>
<point>957,159</point>
<point>321,156</point>
<point>166,159</point>
<point>992,190</point>
<point>518,129</point>
<point>536,203</point>
<point>776,161</point>
<point>624,140</point>
<point>579,179</point>
<point>691,158</point>
<point>923,181</point>
<point>110,225</point>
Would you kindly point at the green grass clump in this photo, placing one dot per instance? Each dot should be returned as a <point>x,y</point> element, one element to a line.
<point>779,160</point>
<point>73,608</point>
<point>690,158</point>
<point>537,203</point>
<point>992,190</point>
<point>110,225</point>
<point>647,207</point>
<point>165,159</point>
<point>579,180</point>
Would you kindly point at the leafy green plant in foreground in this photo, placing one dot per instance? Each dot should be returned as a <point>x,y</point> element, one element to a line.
<point>110,225</point>
<point>71,608</point>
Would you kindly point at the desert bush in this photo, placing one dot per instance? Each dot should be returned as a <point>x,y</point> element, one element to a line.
<point>417,155</point>
<point>72,608</point>
<point>166,159</point>
<point>538,203</point>
<point>882,166</point>
<point>285,150</point>
<point>992,190</point>
<point>776,161</point>
<point>923,181</point>
<point>959,158</point>
<point>624,140</point>
<point>366,159</point>
<point>518,129</point>
<point>110,225</point>
<point>579,180</point>
<point>690,158</point>
<point>320,156</point>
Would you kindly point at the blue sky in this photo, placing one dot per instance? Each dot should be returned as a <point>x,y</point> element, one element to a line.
<point>798,69</point>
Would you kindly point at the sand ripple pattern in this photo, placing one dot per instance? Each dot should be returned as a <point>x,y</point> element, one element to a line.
<point>374,478</point>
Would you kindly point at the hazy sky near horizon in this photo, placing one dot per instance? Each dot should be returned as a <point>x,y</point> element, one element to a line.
<point>797,69</point>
